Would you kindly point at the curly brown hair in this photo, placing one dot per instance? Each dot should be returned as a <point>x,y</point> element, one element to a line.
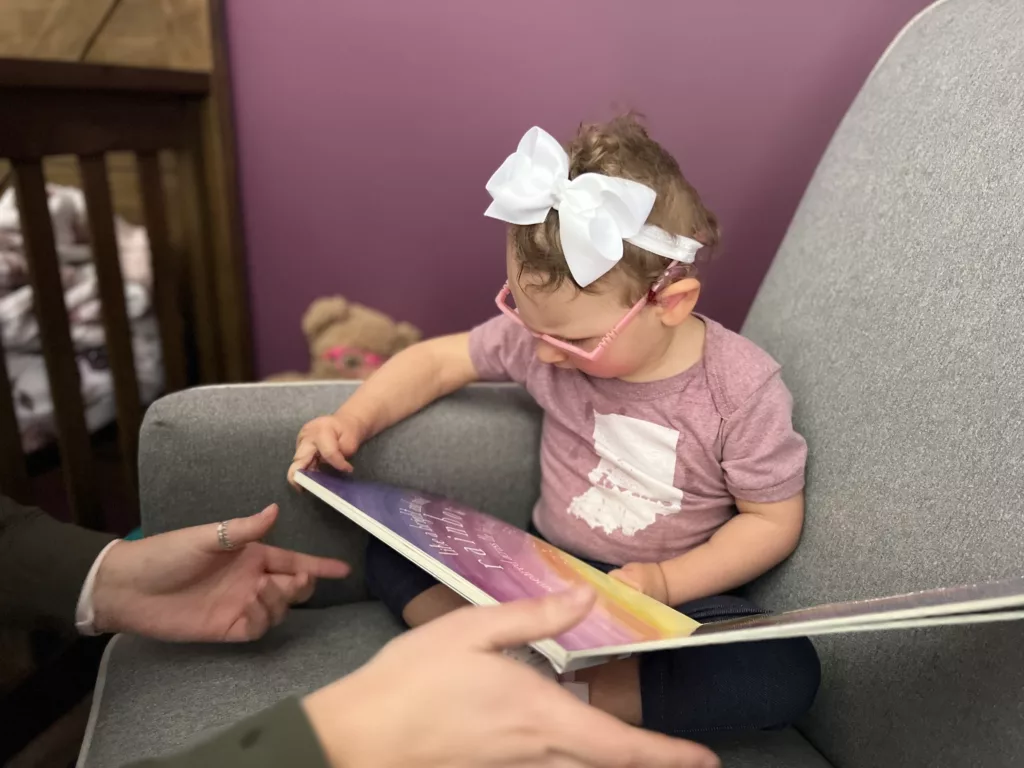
<point>623,148</point>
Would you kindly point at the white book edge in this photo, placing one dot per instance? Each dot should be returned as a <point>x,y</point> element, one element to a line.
<point>962,612</point>
<point>576,659</point>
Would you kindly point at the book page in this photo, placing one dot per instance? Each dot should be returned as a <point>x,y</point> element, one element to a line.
<point>969,604</point>
<point>971,598</point>
<point>501,560</point>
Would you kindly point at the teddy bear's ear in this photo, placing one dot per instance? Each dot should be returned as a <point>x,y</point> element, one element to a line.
<point>405,336</point>
<point>323,313</point>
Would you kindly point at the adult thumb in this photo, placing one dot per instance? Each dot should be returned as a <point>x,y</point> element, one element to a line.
<point>525,621</point>
<point>245,530</point>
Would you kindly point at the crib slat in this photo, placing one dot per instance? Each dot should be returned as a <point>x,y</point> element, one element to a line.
<point>195,209</point>
<point>116,325</point>
<point>166,271</point>
<point>58,350</point>
<point>13,477</point>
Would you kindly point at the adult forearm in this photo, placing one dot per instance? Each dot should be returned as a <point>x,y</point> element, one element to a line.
<point>281,735</point>
<point>43,564</point>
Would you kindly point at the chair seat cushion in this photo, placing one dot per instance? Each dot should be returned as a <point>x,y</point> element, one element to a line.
<point>153,698</point>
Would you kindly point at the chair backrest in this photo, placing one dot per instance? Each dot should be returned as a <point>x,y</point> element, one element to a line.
<point>217,452</point>
<point>896,306</point>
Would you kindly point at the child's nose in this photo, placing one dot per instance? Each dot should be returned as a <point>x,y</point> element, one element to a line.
<point>549,354</point>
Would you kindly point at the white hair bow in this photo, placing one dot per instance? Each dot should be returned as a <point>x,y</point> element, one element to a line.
<point>595,212</point>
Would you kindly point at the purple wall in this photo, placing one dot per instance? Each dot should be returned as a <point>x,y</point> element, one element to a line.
<point>367,128</point>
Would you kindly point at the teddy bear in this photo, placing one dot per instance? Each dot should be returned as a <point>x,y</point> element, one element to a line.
<point>348,341</point>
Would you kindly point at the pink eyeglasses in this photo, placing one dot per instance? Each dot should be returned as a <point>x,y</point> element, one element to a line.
<point>505,296</point>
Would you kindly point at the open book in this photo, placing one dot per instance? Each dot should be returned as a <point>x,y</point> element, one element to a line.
<point>488,561</point>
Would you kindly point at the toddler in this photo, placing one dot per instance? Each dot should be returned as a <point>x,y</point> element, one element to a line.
<point>668,454</point>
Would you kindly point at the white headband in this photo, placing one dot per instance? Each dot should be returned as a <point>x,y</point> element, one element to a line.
<point>595,212</point>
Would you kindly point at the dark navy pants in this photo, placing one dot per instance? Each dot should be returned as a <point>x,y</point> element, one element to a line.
<point>687,691</point>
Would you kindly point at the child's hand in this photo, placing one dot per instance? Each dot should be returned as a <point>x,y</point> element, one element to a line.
<point>332,439</point>
<point>644,577</point>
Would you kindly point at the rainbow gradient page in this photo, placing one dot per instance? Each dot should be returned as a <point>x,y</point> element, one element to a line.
<point>509,564</point>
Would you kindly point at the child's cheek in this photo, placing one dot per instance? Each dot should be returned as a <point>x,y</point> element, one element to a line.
<point>608,366</point>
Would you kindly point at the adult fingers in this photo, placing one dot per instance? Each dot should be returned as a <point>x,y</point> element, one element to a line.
<point>252,624</point>
<point>556,761</point>
<point>239,530</point>
<point>287,561</point>
<point>273,599</point>
<point>598,739</point>
<point>297,589</point>
<point>514,624</point>
<point>252,528</point>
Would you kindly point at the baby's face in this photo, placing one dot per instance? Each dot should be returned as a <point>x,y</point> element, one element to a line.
<point>583,319</point>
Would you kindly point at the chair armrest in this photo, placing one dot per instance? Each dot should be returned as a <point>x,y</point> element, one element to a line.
<point>212,453</point>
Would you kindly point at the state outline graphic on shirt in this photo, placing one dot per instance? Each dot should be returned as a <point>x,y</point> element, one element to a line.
<point>634,481</point>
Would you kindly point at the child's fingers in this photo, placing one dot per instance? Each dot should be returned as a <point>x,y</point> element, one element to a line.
<point>348,442</point>
<point>331,452</point>
<point>292,469</point>
<point>305,453</point>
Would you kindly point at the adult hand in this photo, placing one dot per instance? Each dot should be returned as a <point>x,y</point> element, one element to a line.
<point>332,439</point>
<point>648,578</point>
<point>443,695</point>
<point>183,586</point>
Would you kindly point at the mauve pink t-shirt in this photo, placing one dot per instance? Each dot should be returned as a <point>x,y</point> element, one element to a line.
<point>646,472</point>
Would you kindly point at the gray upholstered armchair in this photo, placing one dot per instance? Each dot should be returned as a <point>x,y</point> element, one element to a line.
<point>896,305</point>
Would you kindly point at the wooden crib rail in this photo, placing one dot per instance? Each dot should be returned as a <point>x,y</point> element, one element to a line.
<point>117,329</point>
<point>166,270</point>
<point>53,108</point>
<point>58,350</point>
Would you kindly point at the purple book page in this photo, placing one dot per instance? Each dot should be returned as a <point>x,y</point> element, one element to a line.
<point>507,563</point>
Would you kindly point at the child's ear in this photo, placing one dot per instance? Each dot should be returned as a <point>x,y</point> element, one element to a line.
<point>678,301</point>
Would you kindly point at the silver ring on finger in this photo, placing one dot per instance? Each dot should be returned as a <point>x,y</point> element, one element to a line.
<point>222,537</point>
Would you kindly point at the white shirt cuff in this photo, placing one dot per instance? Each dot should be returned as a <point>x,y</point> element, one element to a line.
<point>85,614</point>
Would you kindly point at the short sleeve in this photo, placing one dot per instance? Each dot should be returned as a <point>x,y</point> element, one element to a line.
<point>501,350</point>
<point>763,457</point>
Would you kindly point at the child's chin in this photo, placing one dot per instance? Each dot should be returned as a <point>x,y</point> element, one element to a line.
<point>601,371</point>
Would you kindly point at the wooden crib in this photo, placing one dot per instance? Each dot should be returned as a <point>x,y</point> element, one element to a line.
<point>177,125</point>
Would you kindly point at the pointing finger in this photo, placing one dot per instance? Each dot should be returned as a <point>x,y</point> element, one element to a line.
<point>515,624</point>
<point>287,561</point>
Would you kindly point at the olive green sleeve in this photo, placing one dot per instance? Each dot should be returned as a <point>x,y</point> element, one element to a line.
<point>43,564</point>
<point>279,736</point>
